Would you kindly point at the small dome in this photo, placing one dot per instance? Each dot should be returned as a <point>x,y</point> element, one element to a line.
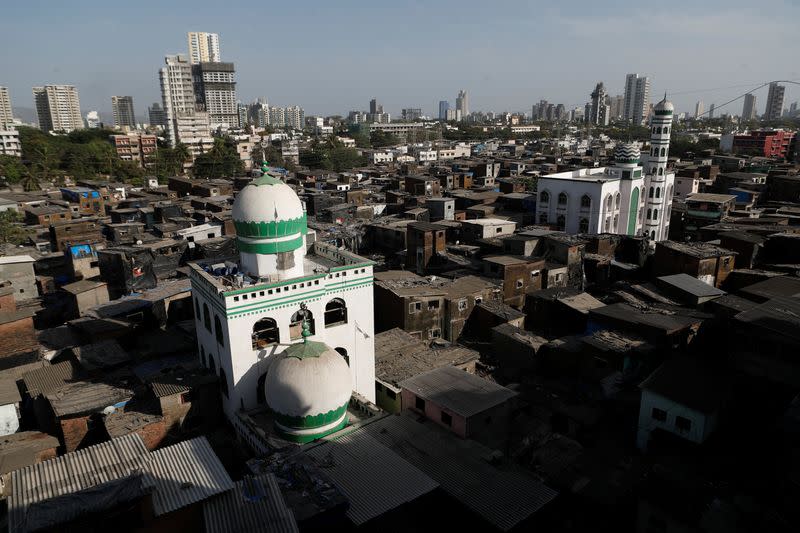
<point>308,387</point>
<point>664,107</point>
<point>268,217</point>
<point>627,153</point>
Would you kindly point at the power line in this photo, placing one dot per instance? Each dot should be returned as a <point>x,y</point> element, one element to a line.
<point>745,94</point>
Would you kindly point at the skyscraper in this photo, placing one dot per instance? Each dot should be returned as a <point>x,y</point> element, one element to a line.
<point>374,107</point>
<point>637,98</point>
<point>294,117</point>
<point>6,114</point>
<point>462,103</point>
<point>598,110</point>
<point>122,107</point>
<point>775,97</point>
<point>698,109</point>
<point>711,111</point>
<point>58,108</point>
<point>156,115</point>
<point>444,105</point>
<point>749,110</point>
<point>177,92</point>
<point>617,107</point>
<point>215,92</point>
<point>203,47</point>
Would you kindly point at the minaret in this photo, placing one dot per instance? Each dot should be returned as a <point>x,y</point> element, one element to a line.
<point>657,179</point>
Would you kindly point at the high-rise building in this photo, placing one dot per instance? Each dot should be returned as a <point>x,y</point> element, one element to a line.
<point>156,115</point>
<point>177,92</point>
<point>616,105</point>
<point>711,111</point>
<point>560,112</point>
<point>698,109</point>
<point>294,117</point>
<point>775,98</point>
<point>444,105</point>
<point>637,98</point>
<point>244,114</point>
<point>93,120</point>
<point>122,107</point>
<point>462,103</point>
<point>411,113</point>
<point>374,107</point>
<point>598,110</point>
<point>58,108</point>
<point>215,92</point>
<point>203,47</point>
<point>6,113</point>
<point>749,110</point>
<point>277,117</point>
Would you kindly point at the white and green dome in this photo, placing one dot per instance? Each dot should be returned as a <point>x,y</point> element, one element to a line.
<point>627,154</point>
<point>268,217</point>
<point>308,388</point>
<point>664,107</point>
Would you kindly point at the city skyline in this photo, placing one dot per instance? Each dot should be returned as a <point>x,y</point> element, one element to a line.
<point>98,73</point>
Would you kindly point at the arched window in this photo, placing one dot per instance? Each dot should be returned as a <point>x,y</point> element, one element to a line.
<point>666,130</point>
<point>608,201</point>
<point>616,201</point>
<point>641,213</point>
<point>544,197</point>
<point>296,323</point>
<point>562,198</point>
<point>261,395</point>
<point>206,318</point>
<point>265,332</point>
<point>653,171</point>
<point>655,214</point>
<point>616,223</point>
<point>197,308</point>
<point>658,130</point>
<point>223,382</point>
<point>658,192</point>
<point>212,365</point>
<point>586,201</point>
<point>663,152</point>
<point>344,355</point>
<point>561,222</point>
<point>650,193</point>
<point>218,331</point>
<point>649,214</point>
<point>203,356</point>
<point>660,171</point>
<point>542,218</point>
<point>583,225</point>
<point>335,313</point>
<point>654,129</point>
<point>607,224</point>
<point>653,235</point>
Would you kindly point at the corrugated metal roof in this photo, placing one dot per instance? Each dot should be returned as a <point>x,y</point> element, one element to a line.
<point>47,379</point>
<point>373,477</point>
<point>71,473</point>
<point>183,474</point>
<point>504,498</point>
<point>457,391</point>
<point>255,504</point>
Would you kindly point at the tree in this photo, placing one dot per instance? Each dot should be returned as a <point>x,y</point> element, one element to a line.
<point>12,169</point>
<point>222,160</point>
<point>331,154</point>
<point>10,230</point>
<point>380,139</point>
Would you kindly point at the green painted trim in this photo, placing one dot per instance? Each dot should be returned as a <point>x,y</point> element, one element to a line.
<point>263,286</point>
<point>266,179</point>
<point>269,247</point>
<point>305,349</point>
<point>663,112</point>
<point>356,265</point>
<point>277,228</point>
<point>627,161</point>
<point>302,298</point>
<point>310,421</point>
<point>278,301</point>
<point>303,439</point>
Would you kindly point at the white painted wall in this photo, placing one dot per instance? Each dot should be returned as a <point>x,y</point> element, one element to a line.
<point>9,422</point>
<point>702,424</point>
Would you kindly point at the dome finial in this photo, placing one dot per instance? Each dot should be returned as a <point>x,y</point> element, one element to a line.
<point>265,167</point>
<point>306,330</point>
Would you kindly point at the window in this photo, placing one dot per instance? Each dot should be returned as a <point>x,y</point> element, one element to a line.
<point>223,382</point>
<point>586,201</point>
<point>649,214</point>
<point>499,230</point>
<point>335,313</point>
<point>447,420</point>
<point>265,332</point>
<point>607,224</point>
<point>658,130</point>
<point>296,324</point>
<point>561,222</point>
<point>391,394</point>
<point>197,307</point>
<point>462,305</point>
<point>583,225</point>
<point>206,318</point>
<point>520,284</point>
<point>562,198</point>
<point>660,171</point>
<point>414,307</point>
<point>218,331</point>
<point>616,201</point>
<point>420,404</point>
<point>616,222</point>
<point>186,397</point>
<point>434,333</point>
<point>666,130</point>
<point>478,299</point>
<point>658,192</point>
<point>542,218</point>
<point>344,355</point>
<point>659,414</point>
<point>653,235</point>
<point>608,202</point>
<point>663,152</point>
<point>651,192</point>
<point>203,356</point>
<point>235,298</point>
<point>544,197</point>
<point>433,304</point>
<point>683,424</point>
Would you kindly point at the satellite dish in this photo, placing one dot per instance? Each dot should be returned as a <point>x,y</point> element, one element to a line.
<point>108,410</point>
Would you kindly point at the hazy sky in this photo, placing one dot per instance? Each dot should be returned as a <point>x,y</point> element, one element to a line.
<point>333,56</point>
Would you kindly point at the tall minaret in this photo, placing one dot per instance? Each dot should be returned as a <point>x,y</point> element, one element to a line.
<point>658,181</point>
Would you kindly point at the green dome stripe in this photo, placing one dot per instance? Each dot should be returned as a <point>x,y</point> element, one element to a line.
<point>310,422</point>
<point>273,247</point>
<point>276,228</point>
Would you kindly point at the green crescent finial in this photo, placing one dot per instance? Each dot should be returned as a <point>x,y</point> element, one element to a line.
<point>306,331</point>
<point>265,167</point>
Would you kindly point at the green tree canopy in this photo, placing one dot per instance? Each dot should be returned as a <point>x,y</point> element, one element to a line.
<point>222,160</point>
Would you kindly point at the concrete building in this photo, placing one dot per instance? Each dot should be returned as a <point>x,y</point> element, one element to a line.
<point>215,91</point>
<point>193,129</point>
<point>775,98</point>
<point>177,93</point>
<point>763,143</point>
<point>203,47</point>
<point>284,293</point>
<point>9,142</point>
<point>462,104</point>
<point>294,117</point>
<point>58,108</point>
<point>6,113</point>
<point>444,106</point>
<point>598,109</point>
<point>749,110</point>
<point>135,147</point>
<point>699,109</point>
<point>156,115</point>
<point>122,107</point>
<point>18,269</point>
<point>637,98</point>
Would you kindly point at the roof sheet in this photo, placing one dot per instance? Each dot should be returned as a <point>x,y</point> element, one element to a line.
<point>361,467</point>
<point>458,391</point>
<point>49,378</point>
<point>255,503</point>
<point>691,285</point>
<point>184,473</point>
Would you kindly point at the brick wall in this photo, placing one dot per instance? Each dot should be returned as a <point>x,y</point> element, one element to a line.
<point>73,431</point>
<point>17,336</point>
<point>153,434</point>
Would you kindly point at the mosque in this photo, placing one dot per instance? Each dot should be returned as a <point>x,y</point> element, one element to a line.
<point>291,325</point>
<point>632,197</point>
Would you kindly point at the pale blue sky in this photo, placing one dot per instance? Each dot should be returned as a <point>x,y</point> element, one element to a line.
<point>333,56</point>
